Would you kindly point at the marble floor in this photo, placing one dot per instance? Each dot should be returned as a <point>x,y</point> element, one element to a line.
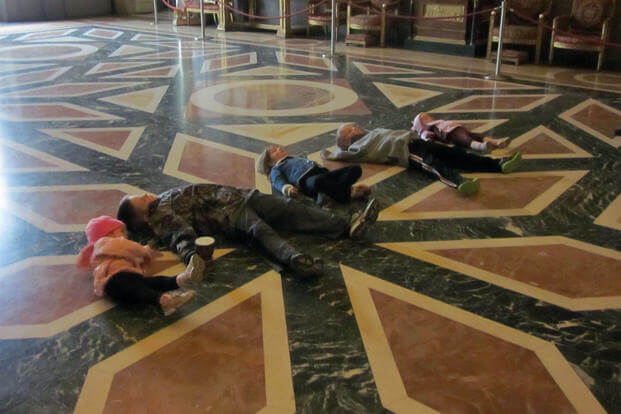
<point>507,301</point>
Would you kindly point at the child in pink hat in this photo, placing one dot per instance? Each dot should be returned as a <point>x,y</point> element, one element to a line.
<point>451,132</point>
<point>118,266</point>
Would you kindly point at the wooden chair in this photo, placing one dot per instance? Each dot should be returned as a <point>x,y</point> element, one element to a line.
<point>373,18</point>
<point>584,29</point>
<point>519,31</point>
<point>210,7</point>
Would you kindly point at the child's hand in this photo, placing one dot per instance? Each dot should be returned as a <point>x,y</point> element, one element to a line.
<point>153,253</point>
<point>293,192</point>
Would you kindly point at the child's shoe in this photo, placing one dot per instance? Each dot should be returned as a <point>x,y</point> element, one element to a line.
<point>510,165</point>
<point>170,302</point>
<point>193,272</point>
<point>362,220</point>
<point>469,187</point>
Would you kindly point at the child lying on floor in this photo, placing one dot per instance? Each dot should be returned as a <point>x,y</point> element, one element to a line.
<point>118,266</point>
<point>291,175</point>
<point>450,132</point>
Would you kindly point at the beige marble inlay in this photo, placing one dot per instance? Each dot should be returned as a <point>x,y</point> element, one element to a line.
<point>146,100</point>
<point>430,357</point>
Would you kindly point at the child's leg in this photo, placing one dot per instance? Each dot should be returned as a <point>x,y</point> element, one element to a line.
<point>133,288</point>
<point>477,137</point>
<point>461,137</point>
<point>162,283</point>
<point>496,142</point>
<point>130,288</point>
<point>337,184</point>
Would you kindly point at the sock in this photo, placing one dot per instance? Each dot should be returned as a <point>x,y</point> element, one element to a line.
<point>479,146</point>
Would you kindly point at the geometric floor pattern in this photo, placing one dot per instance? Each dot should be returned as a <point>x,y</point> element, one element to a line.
<point>524,193</point>
<point>507,301</point>
<point>448,360</point>
<point>542,143</point>
<point>553,268</point>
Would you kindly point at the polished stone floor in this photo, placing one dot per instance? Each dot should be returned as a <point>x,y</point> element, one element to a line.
<point>504,302</point>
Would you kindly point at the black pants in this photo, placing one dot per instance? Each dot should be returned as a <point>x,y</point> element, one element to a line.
<point>266,213</point>
<point>443,160</point>
<point>336,184</point>
<point>131,288</point>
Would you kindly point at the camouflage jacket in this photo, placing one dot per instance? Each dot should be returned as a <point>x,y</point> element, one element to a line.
<point>184,213</point>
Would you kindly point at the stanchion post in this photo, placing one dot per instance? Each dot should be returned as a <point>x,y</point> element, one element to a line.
<point>501,29</point>
<point>333,31</point>
<point>202,23</point>
<point>473,24</point>
<point>154,11</point>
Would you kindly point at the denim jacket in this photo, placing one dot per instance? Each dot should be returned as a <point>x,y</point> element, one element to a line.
<point>290,171</point>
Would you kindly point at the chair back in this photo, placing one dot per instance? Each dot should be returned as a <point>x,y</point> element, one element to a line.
<point>530,8</point>
<point>589,15</point>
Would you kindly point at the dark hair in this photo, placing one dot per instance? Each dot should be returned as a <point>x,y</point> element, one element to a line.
<point>127,215</point>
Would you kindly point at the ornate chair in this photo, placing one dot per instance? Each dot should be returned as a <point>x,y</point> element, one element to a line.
<point>519,31</point>
<point>585,29</point>
<point>373,18</point>
<point>210,7</point>
<point>321,15</point>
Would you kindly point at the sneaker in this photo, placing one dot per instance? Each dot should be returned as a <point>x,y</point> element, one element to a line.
<point>361,221</point>
<point>469,187</point>
<point>510,165</point>
<point>170,302</point>
<point>306,266</point>
<point>193,272</point>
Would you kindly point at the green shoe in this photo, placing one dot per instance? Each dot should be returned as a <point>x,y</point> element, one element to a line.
<point>469,187</point>
<point>512,164</point>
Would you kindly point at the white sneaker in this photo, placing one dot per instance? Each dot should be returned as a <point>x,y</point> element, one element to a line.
<point>193,272</point>
<point>170,302</point>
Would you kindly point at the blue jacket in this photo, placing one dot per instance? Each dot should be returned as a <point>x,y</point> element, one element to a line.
<point>290,170</point>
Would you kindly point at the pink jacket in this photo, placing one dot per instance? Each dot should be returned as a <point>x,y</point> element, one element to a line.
<point>112,255</point>
<point>434,130</point>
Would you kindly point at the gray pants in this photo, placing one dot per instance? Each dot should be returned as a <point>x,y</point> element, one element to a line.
<point>264,214</point>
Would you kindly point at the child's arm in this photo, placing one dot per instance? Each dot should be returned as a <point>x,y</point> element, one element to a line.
<point>280,183</point>
<point>122,247</point>
<point>174,231</point>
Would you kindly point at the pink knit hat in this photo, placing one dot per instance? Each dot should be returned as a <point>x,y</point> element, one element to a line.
<point>419,125</point>
<point>96,229</point>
